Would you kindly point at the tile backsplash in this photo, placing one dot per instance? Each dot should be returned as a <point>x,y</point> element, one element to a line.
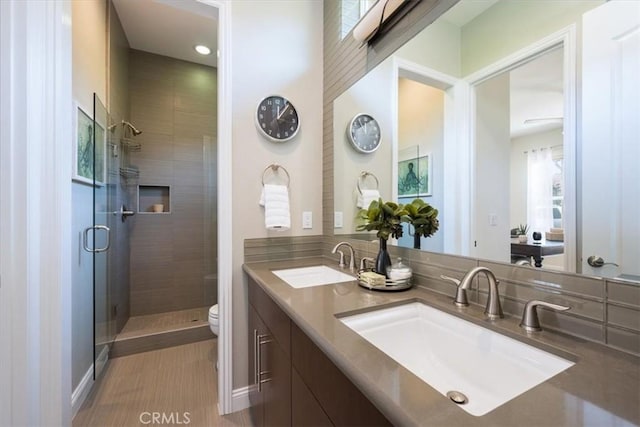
<point>602,310</point>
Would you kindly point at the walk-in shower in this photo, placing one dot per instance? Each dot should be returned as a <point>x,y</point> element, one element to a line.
<point>171,185</point>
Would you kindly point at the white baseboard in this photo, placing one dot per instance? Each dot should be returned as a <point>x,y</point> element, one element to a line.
<point>81,392</point>
<point>240,398</point>
<point>101,360</point>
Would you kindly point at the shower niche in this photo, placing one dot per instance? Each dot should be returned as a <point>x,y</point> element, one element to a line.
<point>154,199</point>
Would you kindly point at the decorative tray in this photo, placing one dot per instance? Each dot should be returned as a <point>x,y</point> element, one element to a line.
<point>388,286</point>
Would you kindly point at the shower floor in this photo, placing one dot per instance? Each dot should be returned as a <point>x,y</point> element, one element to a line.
<point>155,331</point>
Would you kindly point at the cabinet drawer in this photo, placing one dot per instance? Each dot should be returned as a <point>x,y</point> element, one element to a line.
<point>341,400</point>
<point>274,318</point>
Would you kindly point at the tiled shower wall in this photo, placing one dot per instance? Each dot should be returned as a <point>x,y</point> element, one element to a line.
<point>173,254</point>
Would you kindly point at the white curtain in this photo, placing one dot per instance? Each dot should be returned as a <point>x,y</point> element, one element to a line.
<point>539,190</point>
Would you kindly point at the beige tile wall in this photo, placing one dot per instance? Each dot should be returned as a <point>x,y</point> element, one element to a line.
<point>604,311</point>
<point>174,103</point>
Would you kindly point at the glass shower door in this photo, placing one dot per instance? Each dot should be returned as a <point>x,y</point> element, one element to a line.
<point>103,318</point>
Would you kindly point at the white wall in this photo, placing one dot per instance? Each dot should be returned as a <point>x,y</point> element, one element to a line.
<point>276,49</point>
<point>492,169</point>
<point>437,47</point>
<point>89,76</point>
<point>370,95</point>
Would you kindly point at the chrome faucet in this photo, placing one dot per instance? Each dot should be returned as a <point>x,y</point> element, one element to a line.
<point>363,262</point>
<point>493,309</point>
<point>352,257</point>
<point>530,321</point>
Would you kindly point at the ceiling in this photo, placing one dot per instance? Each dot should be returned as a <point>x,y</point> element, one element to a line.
<point>536,90</point>
<point>170,27</point>
<point>536,94</point>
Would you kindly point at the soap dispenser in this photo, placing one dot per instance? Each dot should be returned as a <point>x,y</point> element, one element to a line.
<point>399,271</point>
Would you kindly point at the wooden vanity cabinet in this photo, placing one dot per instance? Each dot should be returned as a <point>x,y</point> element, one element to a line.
<point>342,402</point>
<point>256,399</point>
<point>292,381</point>
<point>269,362</point>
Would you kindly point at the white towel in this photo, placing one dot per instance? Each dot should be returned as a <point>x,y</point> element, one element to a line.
<point>366,197</point>
<point>275,199</point>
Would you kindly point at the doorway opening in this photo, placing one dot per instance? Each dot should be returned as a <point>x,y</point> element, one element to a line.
<point>523,135</point>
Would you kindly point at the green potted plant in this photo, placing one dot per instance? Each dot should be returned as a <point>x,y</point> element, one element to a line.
<point>386,218</point>
<point>521,232</point>
<point>424,219</point>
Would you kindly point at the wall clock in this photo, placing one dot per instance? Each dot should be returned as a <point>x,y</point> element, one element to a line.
<point>364,133</point>
<point>277,118</point>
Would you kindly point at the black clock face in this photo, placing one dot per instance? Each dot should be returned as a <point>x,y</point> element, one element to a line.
<point>364,133</point>
<point>277,118</point>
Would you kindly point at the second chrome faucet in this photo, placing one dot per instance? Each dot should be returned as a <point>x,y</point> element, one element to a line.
<point>493,309</point>
<point>352,256</point>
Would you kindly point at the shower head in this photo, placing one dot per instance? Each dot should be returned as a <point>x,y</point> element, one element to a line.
<point>135,131</point>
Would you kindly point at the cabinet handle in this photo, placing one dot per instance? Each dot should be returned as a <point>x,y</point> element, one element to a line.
<point>256,355</point>
<point>260,340</point>
<point>265,380</point>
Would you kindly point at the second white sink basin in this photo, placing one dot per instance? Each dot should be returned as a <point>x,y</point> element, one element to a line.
<point>316,275</point>
<point>451,354</point>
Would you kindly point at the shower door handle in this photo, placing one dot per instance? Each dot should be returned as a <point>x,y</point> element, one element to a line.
<point>124,213</point>
<point>85,238</point>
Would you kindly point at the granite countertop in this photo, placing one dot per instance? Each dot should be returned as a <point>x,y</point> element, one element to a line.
<point>601,389</point>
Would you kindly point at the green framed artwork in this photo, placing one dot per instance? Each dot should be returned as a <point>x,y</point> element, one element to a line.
<point>85,167</point>
<point>414,177</point>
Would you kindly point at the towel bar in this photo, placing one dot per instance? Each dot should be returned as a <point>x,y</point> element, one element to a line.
<point>274,167</point>
<point>363,176</point>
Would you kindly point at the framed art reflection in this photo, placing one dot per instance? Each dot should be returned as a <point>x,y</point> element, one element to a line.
<point>88,169</point>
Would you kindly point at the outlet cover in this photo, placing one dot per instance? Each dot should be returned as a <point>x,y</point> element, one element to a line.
<point>307,219</point>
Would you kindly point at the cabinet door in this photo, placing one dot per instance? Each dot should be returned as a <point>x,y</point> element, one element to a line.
<point>340,399</point>
<point>276,385</point>
<point>305,409</point>
<point>256,329</point>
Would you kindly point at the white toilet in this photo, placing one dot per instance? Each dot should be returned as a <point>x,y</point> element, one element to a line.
<point>213,319</point>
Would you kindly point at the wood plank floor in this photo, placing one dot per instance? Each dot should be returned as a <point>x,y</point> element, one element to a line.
<point>173,381</point>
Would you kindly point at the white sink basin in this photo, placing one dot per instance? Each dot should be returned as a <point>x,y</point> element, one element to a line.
<point>451,354</point>
<point>316,275</point>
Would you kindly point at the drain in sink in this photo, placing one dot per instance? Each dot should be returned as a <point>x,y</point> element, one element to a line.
<point>457,397</point>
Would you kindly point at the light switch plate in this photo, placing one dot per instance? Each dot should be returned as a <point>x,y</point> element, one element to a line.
<point>307,219</point>
<point>337,219</point>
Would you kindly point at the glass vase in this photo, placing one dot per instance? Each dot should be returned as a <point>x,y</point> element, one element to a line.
<point>383,260</point>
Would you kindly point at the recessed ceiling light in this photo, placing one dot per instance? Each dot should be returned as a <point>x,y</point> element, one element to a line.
<point>202,49</point>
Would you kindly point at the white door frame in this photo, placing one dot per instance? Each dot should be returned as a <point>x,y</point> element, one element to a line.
<point>566,37</point>
<point>35,212</point>
<point>225,218</point>
<point>455,178</point>
<point>35,206</point>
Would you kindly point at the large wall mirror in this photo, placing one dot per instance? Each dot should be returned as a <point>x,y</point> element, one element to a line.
<point>505,113</point>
